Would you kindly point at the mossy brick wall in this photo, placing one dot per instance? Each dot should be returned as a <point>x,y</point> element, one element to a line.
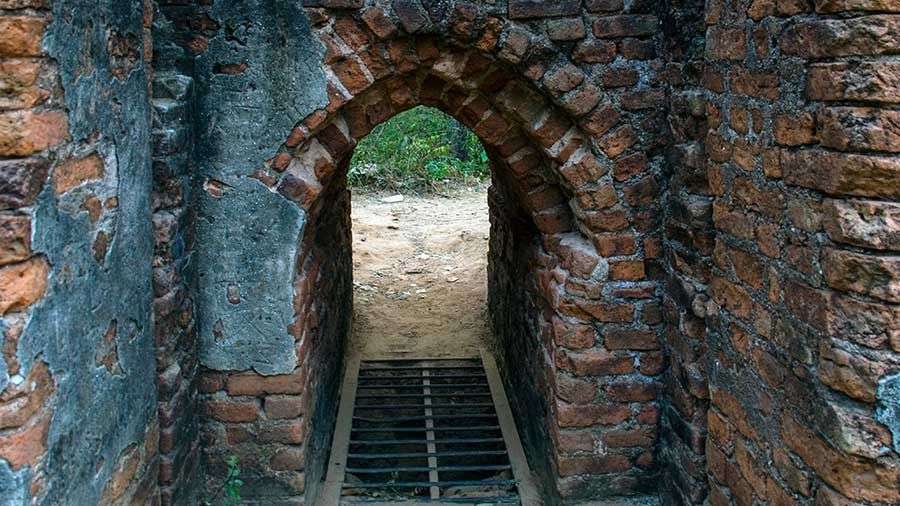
<point>693,256</point>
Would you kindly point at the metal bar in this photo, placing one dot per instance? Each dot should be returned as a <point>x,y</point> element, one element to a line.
<point>434,491</point>
<point>421,359</point>
<point>436,429</point>
<point>423,441</point>
<point>382,470</point>
<point>416,376</point>
<point>419,396</point>
<point>412,455</point>
<point>486,499</point>
<point>528,490</point>
<point>420,406</point>
<point>426,417</point>
<point>452,385</point>
<point>418,484</point>
<point>407,368</point>
<point>340,445</point>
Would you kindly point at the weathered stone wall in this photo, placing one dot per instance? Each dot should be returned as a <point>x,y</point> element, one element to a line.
<point>77,379</point>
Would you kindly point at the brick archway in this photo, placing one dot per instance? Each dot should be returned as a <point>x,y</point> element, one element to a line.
<point>570,231</point>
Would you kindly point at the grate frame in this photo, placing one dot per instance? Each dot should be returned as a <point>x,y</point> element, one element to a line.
<point>438,395</point>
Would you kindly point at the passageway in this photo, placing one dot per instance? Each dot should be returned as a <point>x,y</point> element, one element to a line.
<point>420,287</point>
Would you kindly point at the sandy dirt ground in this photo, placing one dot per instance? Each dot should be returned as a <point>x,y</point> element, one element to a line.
<point>420,275</point>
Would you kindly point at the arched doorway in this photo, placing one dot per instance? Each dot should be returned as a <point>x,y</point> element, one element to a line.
<point>566,264</point>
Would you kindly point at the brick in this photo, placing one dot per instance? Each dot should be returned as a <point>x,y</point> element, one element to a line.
<point>351,74</point>
<point>21,403</point>
<point>627,270</point>
<point>282,407</point>
<point>287,459</point>
<point>612,220</point>
<point>577,255</point>
<point>575,390</point>
<point>301,188</point>
<point>871,275</point>
<point>843,174</point>
<point>866,223</point>
<point>23,133</point>
<point>594,51</point>
<point>631,391</point>
<point>23,447</point>
<point>573,466</point>
<point>604,117</point>
<point>380,24</point>
<point>257,384</point>
<point>282,432</point>
<point>22,284</point>
<point>582,101</point>
<point>856,478</point>
<point>571,415</point>
<point>629,166</point>
<point>627,25</point>
<point>618,141</point>
<point>871,324</point>
<point>21,35</point>
<point>829,38</point>
<point>795,129</point>
<point>599,363</point>
<point>411,15</point>
<point>755,84</point>
<point>869,81</point>
<point>830,6</point>
<point>638,49</point>
<point>604,5</point>
<point>629,339</point>
<point>731,297</point>
<point>726,43</point>
<point>852,373</point>
<point>19,87</point>
<point>515,46</point>
<point>231,411</point>
<point>565,29</point>
<point>573,441</point>
<point>859,129</point>
<point>523,9</point>
<point>72,173</point>
<point>15,238</point>
<point>563,79</point>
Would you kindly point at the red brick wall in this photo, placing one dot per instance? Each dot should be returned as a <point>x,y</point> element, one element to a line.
<point>802,324</point>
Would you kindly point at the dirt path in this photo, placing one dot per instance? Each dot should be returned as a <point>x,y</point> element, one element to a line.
<point>420,275</point>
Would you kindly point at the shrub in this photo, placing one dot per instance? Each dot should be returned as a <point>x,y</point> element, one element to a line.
<point>421,149</point>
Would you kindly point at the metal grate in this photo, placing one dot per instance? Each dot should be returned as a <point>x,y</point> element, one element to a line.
<point>426,431</point>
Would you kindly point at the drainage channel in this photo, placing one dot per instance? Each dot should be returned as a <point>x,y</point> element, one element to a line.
<point>436,431</point>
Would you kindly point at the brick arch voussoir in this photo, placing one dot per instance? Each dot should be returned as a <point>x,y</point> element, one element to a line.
<point>373,34</point>
<point>374,75</point>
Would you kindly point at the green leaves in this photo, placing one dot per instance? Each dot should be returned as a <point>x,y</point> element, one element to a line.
<point>420,149</point>
<point>233,484</point>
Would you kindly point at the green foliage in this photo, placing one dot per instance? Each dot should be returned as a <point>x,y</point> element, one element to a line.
<point>420,149</point>
<point>231,486</point>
